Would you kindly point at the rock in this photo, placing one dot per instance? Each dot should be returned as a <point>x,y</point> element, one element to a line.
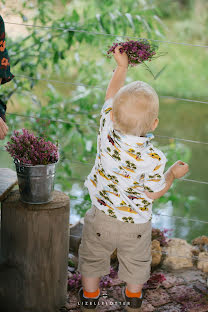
<point>157,297</point>
<point>183,294</point>
<point>72,262</point>
<point>75,236</point>
<point>147,307</point>
<point>179,254</point>
<point>191,275</point>
<point>171,307</point>
<point>201,242</point>
<point>195,250</point>
<point>202,288</point>
<point>202,263</point>
<point>171,281</point>
<point>156,253</point>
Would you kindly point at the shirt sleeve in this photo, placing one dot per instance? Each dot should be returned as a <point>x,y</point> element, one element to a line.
<point>5,73</point>
<point>154,180</point>
<point>107,107</point>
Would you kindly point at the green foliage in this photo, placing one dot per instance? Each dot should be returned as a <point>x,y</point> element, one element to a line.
<point>57,52</point>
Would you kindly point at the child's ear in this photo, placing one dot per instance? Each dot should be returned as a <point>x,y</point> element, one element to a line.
<point>155,124</point>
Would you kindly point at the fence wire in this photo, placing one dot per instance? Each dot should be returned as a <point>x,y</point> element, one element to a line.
<point>72,29</point>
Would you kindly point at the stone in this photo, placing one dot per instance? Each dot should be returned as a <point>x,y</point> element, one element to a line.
<point>202,263</point>
<point>184,293</point>
<point>157,297</point>
<point>72,260</point>
<point>72,302</point>
<point>196,307</point>
<point>110,304</point>
<point>171,281</point>
<point>202,288</point>
<point>179,254</point>
<point>171,307</point>
<point>8,179</point>
<point>191,275</point>
<point>156,253</point>
<point>201,242</point>
<point>75,236</point>
<point>146,306</point>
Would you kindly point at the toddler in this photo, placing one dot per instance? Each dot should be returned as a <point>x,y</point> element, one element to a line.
<point>128,175</point>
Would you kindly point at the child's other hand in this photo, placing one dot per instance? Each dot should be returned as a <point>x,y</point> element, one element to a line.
<point>179,169</point>
<point>121,58</point>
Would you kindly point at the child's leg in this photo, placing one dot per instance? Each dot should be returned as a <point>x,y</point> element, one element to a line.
<point>134,288</point>
<point>90,284</point>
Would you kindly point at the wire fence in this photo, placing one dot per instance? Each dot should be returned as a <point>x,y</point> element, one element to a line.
<point>72,29</point>
<point>97,127</point>
<point>101,87</point>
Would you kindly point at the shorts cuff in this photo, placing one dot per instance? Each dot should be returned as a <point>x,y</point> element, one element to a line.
<point>133,280</point>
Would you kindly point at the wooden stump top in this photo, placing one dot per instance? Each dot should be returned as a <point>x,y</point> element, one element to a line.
<point>59,201</point>
<point>8,179</point>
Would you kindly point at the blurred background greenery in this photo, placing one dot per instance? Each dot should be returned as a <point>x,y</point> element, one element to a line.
<point>52,52</point>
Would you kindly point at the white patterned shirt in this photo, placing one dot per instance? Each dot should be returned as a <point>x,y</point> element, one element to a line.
<point>125,166</point>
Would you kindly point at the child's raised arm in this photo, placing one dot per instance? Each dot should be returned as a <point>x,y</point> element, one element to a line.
<point>119,76</point>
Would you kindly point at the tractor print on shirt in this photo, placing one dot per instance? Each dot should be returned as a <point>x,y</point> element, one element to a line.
<point>131,191</point>
<point>136,155</point>
<point>128,219</point>
<point>102,173</point>
<point>101,202</point>
<point>157,167</point>
<point>154,156</point>
<point>112,213</point>
<point>115,155</point>
<point>116,136</point>
<point>103,193</point>
<point>146,188</point>
<point>113,143</point>
<point>126,207</point>
<point>122,172</point>
<point>107,110</point>
<point>113,178</point>
<point>94,180</point>
<point>113,190</point>
<point>129,166</point>
<point>154,178</point>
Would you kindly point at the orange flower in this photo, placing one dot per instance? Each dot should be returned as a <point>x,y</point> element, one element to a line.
<point>2,45</point>
<point>4,62</point>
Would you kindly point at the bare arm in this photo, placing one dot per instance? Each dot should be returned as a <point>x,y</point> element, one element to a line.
<point>116,82</point>
<point>119,76</point>
<point>176,171</point>
<point>169,178</point>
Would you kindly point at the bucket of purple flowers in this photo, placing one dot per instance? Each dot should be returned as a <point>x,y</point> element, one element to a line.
<point>35,160</point>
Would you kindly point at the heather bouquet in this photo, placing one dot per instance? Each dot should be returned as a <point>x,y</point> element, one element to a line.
<point>137,51</point>
<point>29,149</point>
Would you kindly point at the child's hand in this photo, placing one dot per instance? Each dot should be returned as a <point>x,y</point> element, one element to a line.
<point>121,58</point>
<point>179,169</point>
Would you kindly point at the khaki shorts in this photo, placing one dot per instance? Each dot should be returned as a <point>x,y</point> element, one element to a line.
<point>102,234</point>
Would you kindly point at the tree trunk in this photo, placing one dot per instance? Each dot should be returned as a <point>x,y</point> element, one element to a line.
<point>34,248</point>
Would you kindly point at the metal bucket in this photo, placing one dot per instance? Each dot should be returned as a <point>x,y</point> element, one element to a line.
<point>36,183</point>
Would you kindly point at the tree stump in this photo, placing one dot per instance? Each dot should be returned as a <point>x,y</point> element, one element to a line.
<point>34,247</point>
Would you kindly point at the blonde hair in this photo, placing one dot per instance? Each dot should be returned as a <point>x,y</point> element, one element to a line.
<point>135,107</point>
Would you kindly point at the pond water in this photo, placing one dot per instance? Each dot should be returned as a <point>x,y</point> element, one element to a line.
<point>179,120</point>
